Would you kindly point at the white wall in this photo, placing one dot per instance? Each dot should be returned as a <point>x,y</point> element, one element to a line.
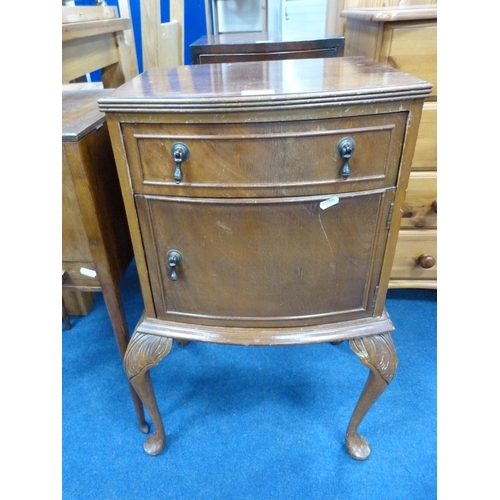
<point>303,16</point>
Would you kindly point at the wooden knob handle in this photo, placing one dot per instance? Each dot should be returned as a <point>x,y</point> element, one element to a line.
<point>434,206</point>
<point>426,261</point>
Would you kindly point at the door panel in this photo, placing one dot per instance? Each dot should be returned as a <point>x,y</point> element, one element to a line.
<point>260,260</point>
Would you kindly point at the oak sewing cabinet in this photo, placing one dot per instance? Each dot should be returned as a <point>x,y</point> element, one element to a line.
<point>264,201</point>
<point>405,38</point>
<point>263,46</point>
<point>96,244</point>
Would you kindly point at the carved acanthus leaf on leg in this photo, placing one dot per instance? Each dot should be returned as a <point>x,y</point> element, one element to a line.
<point>377,352</point>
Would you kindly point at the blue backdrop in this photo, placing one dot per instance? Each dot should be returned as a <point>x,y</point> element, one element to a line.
<point>194,24</point>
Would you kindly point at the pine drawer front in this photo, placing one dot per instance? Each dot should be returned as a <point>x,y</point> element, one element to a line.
<point>425,156</point>
<point>269,159</point>
<point>420,205</point>
<point>414,249</point>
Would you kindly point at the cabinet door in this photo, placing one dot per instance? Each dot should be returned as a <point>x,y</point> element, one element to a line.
<point>265,262</point>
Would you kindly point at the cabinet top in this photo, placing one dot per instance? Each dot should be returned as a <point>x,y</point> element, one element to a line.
<point>388,14</point>
<point>80,113</point>
<point>259,37</point>
<point>263,84</point>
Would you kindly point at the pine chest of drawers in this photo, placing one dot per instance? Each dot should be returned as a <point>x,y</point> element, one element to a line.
<point>264,201</point>
<point>405,38</point>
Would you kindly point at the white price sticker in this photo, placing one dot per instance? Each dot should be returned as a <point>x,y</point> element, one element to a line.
<point>329,203</point>
<point>88,272</point>
<point>258,92</point>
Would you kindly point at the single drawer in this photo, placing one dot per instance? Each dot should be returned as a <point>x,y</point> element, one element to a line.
<point>271,158</point>
<point>425,156</point>
<point>420,205</point>
<point>416,255</point>
<point>82,275</point>
<point>268,56</point>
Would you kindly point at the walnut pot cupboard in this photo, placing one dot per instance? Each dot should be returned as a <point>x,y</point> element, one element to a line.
<point>405,38</point>
<point>264,201</point>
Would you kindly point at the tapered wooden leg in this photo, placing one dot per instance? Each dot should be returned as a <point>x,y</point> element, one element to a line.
<point>378,353</point>
<point>67,322</point>
<point>114,305</point>
<point>143,352</point>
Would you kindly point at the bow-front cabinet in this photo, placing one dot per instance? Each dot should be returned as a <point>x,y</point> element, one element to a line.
<point>264,201</point>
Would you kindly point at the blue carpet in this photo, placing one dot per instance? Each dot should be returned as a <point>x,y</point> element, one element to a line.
<point>249,422</point>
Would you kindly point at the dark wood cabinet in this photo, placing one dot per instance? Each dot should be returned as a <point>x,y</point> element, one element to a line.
<point>262,46</point>
<point>265,212</point>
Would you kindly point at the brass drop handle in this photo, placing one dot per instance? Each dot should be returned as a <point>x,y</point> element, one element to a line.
<point>174,258</point>
<point>180,153</point>
<point>426,261</point>
<point>345,149</point>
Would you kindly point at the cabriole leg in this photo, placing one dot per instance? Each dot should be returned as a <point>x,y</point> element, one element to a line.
<point>378,353</point>
<point>143,352</point>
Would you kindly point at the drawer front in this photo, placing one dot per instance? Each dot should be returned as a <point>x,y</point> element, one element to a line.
<point>274,159</point>
<point>425,156</point>
<point>259,262</point>
<point>268,56</point>
<point>420,205</point>
<point>412,245</point>
<point>81,274</point>
<point>412,47</point>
